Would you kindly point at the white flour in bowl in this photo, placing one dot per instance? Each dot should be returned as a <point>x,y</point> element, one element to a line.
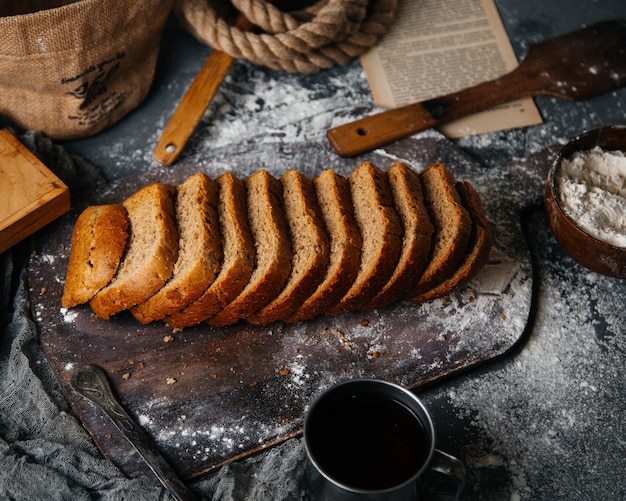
<point>591,187</point>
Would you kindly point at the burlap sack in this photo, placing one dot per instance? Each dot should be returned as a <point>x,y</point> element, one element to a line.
<point>71,68</point>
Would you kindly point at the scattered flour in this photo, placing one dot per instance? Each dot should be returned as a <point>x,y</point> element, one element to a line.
<point>541,412</point>
<point>591,188</point>
<point>144,420</point>
<point>68,315</point>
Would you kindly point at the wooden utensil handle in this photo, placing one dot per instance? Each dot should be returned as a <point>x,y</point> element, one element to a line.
<point>380,129</point>
<point>195,102</point>
<point>192,106</point>
<point>377,130</point>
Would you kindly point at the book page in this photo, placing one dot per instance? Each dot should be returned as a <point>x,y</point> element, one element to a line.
<point>436,47</point>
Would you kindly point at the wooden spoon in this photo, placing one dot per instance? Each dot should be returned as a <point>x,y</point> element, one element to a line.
<point>195,102</point>
<point>574,66</point>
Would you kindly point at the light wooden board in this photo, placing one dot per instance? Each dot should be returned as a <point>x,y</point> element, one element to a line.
<point>31,196</point>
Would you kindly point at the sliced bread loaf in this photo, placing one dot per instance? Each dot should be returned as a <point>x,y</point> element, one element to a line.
<point>335,201</point>
<point>270,230</point>
<point>381,231</point>
<point>310,248</point>
<point>98,242</point>
<point>238,252</point>
<point>150,254</point>
<point>417,232</point>
<point>477,254</point>
<point>452,225</point>
<point>199,254</point>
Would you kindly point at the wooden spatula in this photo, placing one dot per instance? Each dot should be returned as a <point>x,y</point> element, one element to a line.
<point>195,102</point>
<point>574,66</point>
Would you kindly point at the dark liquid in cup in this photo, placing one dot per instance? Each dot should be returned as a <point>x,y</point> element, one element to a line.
<point>368,442</point>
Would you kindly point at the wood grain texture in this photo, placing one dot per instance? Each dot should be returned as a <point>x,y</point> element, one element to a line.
<point>31,196</point>
<point>573,66</point>
<point>208,396</point>
<point>194,103</point>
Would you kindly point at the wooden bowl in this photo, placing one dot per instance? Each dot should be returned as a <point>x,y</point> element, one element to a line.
<point>594,254</point>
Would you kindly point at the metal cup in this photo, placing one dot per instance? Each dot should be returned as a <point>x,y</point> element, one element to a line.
<point>368,439</point>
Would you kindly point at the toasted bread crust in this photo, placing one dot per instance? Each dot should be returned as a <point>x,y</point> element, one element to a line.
<point>200,251</point>
<point>381,231</point>
<point>150,255</point>
<point>417,232</point>
<point>452,225</point>
<point>335,200</point>
<point>273,250</point>
<point>238,252</point>
<point>98,242</point>
<point>476,257</point>
<point>310,249</point>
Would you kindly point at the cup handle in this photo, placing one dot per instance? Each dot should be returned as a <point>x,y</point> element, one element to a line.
<point>449,465</point>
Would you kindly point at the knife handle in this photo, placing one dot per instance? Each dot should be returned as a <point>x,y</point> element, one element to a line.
<point>379,129</point>
<point>382,128</point>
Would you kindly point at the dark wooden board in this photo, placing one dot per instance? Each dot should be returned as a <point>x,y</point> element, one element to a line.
<point>241,389</point>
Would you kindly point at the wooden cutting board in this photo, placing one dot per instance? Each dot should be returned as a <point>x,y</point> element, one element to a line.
<point>208,395</point>
<point>31,196</point>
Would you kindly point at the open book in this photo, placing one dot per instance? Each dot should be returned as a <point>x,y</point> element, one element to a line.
<point>435,47</point>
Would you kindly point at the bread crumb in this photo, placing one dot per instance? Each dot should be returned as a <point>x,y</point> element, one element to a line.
<point>253,383</point>
<point>284,372</point>
<point>170,380</point>
<point>364,323</point>
<point>126,375</point>
<point>345,342</point>
<point>167,339</point>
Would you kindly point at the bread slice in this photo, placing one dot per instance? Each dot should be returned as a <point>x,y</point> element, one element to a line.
<point>270,230</point>
<point>150,254</point>
<point>335,201</point>
<point>310,247</point>
<point>381,231</point>
<point>238,252</point>
<point>199,254</point>
<point>476,257</point>
<point>452,225</point>
<point>417,232</point>
<point>98,242</point>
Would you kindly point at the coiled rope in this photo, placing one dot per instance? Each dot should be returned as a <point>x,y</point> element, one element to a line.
<point>328,33</point>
